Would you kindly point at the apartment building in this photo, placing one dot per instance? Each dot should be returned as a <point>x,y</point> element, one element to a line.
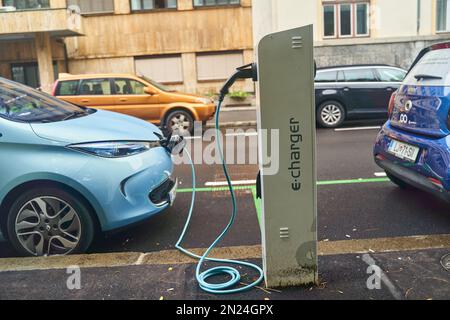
<point>189,45</point>
<point>359,31</point>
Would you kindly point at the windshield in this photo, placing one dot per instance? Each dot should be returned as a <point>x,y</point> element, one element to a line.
<point>21,103</point>
<point>156,84</point>
<point>432,70</point>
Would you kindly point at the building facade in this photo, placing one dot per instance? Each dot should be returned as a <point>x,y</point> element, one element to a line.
<point>359,31</point>
<point>189,45</point>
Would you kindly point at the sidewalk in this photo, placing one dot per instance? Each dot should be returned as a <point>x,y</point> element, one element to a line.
<point>414,274</point>
<point>236,117</point>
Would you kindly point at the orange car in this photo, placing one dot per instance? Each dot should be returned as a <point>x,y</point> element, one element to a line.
<point>136,96</point>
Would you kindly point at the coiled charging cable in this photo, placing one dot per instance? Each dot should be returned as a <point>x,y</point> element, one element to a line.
<point>202,277</point>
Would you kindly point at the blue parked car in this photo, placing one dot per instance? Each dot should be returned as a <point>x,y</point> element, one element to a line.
<point>413,147</point>
<point>68,173</point>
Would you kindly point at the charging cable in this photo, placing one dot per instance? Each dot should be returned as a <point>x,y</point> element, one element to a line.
<point>228,287</point>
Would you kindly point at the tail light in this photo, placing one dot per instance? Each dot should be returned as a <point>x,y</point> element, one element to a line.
<point>392,103</point>
<point>54,88</point>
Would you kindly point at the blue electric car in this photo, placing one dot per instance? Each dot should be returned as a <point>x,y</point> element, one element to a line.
<point>69,172</point>
<point>413,147</point>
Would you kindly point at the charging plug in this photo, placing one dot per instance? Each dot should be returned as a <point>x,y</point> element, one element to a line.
<point>249,71</point>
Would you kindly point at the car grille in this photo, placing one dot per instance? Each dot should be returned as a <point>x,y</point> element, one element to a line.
<point>160,195</point>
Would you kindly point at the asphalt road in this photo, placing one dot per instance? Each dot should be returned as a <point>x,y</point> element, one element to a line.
<point>346,211</point>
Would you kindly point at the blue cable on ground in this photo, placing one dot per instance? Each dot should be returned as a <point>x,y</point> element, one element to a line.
<point>202,277</point>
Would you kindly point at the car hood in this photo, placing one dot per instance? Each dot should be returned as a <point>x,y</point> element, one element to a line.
<point>98,126</point>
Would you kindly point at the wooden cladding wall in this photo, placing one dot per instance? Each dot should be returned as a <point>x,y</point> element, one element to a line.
<point>163,32</point>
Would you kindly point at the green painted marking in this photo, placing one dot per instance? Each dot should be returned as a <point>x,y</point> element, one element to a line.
<point>319,183</point>
<point>257,205</point>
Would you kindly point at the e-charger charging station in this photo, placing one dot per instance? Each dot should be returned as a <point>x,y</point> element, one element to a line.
<point>285,72</point>
<point>289,197</point>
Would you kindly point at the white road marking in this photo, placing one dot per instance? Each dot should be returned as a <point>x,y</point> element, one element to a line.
<point>357,128</point>
<point>384,278</point>
<point>238,134</point>
<point>380,174</point>
<point>235,183</point>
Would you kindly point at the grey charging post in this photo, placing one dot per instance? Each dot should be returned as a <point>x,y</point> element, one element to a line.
<point>289,196</point>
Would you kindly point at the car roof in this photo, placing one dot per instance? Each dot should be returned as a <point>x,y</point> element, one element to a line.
<point>355,66</point>
<point>68,76</point>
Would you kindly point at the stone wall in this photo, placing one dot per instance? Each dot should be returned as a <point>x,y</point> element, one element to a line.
<point>400,54</point>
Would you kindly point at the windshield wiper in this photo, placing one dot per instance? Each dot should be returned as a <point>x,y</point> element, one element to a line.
<point>427,77</point>
<point>75,114</point>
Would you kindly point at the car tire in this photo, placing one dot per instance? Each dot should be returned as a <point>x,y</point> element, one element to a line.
<point>180,122</point>
<point>49,221</point>
<point>397,181</point>
<point>330,114</point>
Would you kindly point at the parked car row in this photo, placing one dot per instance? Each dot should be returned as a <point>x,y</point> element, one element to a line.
<point>56,155</point>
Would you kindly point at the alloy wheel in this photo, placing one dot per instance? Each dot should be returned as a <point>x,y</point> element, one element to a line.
<point>180,124</point>
<point>331,114</point>
<point>48,226</point>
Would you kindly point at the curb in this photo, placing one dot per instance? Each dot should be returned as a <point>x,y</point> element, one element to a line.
<point>233,124</point>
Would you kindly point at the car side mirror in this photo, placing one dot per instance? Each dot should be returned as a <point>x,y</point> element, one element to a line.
<point>149,91</point>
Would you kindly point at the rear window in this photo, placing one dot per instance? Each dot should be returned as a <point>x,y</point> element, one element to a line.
<point>434,67</point>
<point>391,75</point>
<point>67,88</point>
<point>360,75</point>
<point>326,76</point>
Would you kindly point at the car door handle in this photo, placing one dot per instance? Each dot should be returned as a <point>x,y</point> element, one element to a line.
<point>346,89</point>
<point>123,99</point>
<point>389,89</point>
<point>84,101</point>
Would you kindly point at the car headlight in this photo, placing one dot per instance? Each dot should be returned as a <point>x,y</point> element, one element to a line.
<point>115,149</point>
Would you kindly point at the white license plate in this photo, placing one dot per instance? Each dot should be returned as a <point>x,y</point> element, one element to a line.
<point>173,193</point>
<point>404,151</point>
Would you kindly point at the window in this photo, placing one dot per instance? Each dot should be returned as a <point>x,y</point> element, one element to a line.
<point>142,5</point>
<point>211,3</point>
<point>347,19</point>
<point>326,76</point>
<point>435,63</point>
<point>218,66</point>
<point>443,16</point>
<point>27,4</point>
<point>391,75</point>
<point>93,87</point>
<point>360,75</point>
<point>92,7</point>
<point>67,88</point>
<point>164,69</point>
<point>329,19</point>
<point>128,86</point>
<point>28,73</point>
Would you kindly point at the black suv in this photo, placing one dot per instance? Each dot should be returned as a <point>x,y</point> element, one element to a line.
<point>355,92</point>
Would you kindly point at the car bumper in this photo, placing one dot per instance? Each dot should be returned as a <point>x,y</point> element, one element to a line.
<point>123,188</point>
<point>431,170</point>
<point>206,112</point>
